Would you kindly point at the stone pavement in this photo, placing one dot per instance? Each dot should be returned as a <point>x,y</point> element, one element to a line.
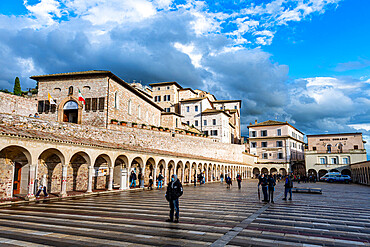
<point>209,215</point>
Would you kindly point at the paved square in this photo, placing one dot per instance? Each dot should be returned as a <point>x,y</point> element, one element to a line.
<point>209,215</point>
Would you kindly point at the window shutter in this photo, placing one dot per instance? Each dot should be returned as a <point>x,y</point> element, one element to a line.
<point>40,107</point>
<point>94,104</point>
<point>88,104</point>
<point>101,103</point>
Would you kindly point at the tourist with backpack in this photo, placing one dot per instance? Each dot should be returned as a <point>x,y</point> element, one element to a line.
<point>160,181</point>
<point>288,187</point>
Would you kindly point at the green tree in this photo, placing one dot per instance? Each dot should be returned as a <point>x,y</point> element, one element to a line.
<point>17,87</point>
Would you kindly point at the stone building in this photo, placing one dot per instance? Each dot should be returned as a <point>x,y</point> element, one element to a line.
<point>278,145</point>
<point>361,172</point>
<point>334,153</point>
<point>107,98</point>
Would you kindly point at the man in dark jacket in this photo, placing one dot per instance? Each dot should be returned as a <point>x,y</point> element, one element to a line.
<point>271,186</point>
<point>133,179</point>
<point>288,187</point>
<point>263,183</point>
<point>239,180</point>
<point>174,191</point>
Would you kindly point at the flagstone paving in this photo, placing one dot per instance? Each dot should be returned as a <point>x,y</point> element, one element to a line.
<point>209,215</point>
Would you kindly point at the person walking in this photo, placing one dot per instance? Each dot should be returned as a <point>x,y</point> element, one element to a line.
<point>160,181</point>
<point>228,181</point>
<point>42,187</point>
<point>150,185</point>
<point>271,182</point>
<point>174,191</point>
<point>140,177</point>
<point>239,180</point>
<point>263,183</point>
<point>222,178</point>
<point>288,187</point>
<point>133,179</point>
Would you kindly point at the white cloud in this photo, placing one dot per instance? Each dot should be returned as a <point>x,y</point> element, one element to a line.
<point>45,11</point>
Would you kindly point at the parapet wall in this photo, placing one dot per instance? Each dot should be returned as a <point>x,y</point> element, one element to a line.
<point>136,137</point>
<point>17,105</point>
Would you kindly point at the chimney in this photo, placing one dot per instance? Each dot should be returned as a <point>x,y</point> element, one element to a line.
<point>255,121</point>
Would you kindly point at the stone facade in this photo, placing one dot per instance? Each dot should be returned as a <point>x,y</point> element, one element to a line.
<point>215,123</point>
<point>107,97</point>
<point>361,172</point>
<point>333,152</point>
<point>17,105</point>
<point>166,95</point>
<point>278,145</point>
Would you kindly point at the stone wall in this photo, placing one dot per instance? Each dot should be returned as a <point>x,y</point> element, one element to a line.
<point>143,138</point>
<point>18,105</point>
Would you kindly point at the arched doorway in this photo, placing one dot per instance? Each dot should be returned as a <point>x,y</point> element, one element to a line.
<point>149,171</point>
<point>273,171</point>
<point>256,172</point>
<point>120,165</point>
<point>264,171</point>
<point>282,171</point>
<point>101,172</point>
<point>346,172</point>
<point>78,170</point>
<point>70,112</point>
<point>322,172</point>
<point>15,164</point>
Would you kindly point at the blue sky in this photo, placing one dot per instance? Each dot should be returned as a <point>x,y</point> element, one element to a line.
<point>302,61</point>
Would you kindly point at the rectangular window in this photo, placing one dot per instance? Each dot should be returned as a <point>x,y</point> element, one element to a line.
<point>314,148</point>
<point>101,103</point>
<point>188,109</point>
<point>214,121</point>
<point>323,161</point>
<point>47,106</point>
<point>334,161</point>
<point>53,107</point>
<point>168,97</point>
<point>196,123</point>
<point>264,144</point>
<point>280,156</point>
<point>279,143</point>
<point>263,132</point>
<point>88,104</point>
<point>279,132</point>
<point>235,107</point>
<point>253,144</point>
<point>345,161</point>
<point>167,109</point>
<point>355,147</point>
<point>213,132</point>
<point>205,132</point>
<point>205,122</point>
<point>253,134</point>
<point>40,107</point>
<point>188,123</point>
<point>196,108</point>
<point>264,156</point>
<point>94,104</point>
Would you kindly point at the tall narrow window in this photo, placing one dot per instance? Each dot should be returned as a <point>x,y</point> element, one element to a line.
<point>129,107</point>
<point>94,104</point>
<point>187,109</point>
<point>88,104</point>
<point>115,100</point>
<point>196,108</point>
<point>328,148</point>
<point>279,132</point>
<point>70,90</point>
<point>101,103</point>
<point>40,107</point>
<point>196,123</point>
<point>214,121</point>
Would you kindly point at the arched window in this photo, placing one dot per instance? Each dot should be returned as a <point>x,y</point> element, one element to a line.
<point>340,148</point>
<point>328,148</point>
<point>116,100</point>
<point>139,111</point>
<point>70,90</point>
<point>129,107</point>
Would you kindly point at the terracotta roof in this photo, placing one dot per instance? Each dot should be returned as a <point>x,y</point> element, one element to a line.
<point>193,99</point>
<point>224,101</point>
<point>164,83</point>
<point>215,111</point>
<point>100,72</point>
<point>338,134</point>
<point>188,88</point>
<point>273,122</point>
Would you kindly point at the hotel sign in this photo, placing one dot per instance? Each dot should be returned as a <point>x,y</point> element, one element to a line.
<point>334,139</point>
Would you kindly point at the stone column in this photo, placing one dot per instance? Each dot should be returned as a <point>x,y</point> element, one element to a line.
<point>110,183</point>
<point>155,177</point>
<point>63,193</point>
<point>31,183</point>
<point>165,177</point>
<point>190,175</point>
<point>206,174</point>
<point>123,183</point>
<point>183,175</point>
<point>90,179</point>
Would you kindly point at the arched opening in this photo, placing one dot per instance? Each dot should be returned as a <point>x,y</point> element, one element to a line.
<point>149,171</point>
<point>120,165</point>
<point>15,164</point>
<point>322,172</point>
<point>50,164</point>
<point>283,172</point>
<point>264,171</point>
<point>101,174</point>
<point>179,174</point>
<point>340,147</point>
<point>70,112</point>
<point>137,166</point>
<point>273,171</point>
<point>210,172</point>
<point>346,172</point>
<point>256,172</point>
<point>194,172</point>
<point>328,148</point>
<point>78,172</point>
<point>187,174</point>
<point>170,170</point>
<point>312,173</point>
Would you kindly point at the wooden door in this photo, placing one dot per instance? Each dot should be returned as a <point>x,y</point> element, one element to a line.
<point>17,179</point>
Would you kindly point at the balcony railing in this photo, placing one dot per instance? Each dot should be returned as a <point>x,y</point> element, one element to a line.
<point>338,151</point>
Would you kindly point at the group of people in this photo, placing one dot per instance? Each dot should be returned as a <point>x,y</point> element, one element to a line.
<point>268,183</point>
<point>140,177</point>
